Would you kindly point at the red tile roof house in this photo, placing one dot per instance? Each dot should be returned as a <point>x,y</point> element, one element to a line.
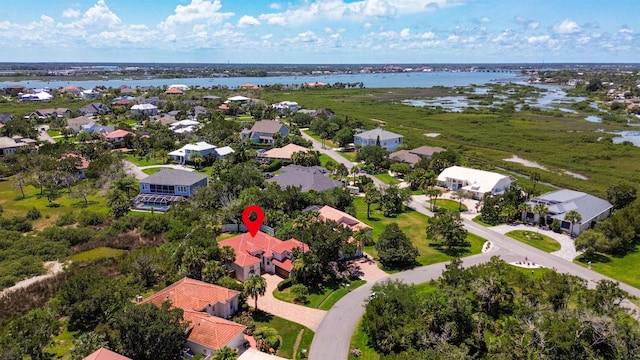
<point>81,166</point>
<point>105,354</point>
<point>117,136</point>
<point>342,219</point>
<point>262,253</point>
<point>205,308</point>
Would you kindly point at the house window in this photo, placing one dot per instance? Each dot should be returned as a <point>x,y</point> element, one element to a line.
<point>145,186</point>
<point>182,189</point>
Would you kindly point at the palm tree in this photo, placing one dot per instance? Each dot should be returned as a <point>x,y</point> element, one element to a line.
<point>461,195</point>
<point>197,160</point>
<point>542,210</point>
<point>433,196</point>
<point>194,259</point>
<point>125,184</point>
<point>255,287</point>
<point>228,255</point>
<point>573,217</point>
<point>212,271</point>
<point>226,353</point>
<point>371,196</point>
<point>523,209</point>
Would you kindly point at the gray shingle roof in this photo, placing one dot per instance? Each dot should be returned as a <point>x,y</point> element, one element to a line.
<point>174,177</point>
<point>562,201</point>
<point>308,178</point>
<point>267,126</point>
<point>383,134</point>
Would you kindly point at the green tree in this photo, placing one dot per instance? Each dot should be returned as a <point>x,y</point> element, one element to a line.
<point>119,203</point>
<point>542,210</point>
<point>375,156</point>
<point>197,160</point>
<point>146,331</point>
<point>226,353</point>
<point>591,241</point>
<point>445,228</point>
<point>371,196</point>
<point>573,217</point>
<point>392,200</point>
<point>343,137</point>
<point>86,343</point>
<point>33,332</point>
<point>255,287</point>
<point>83,191</point>
<point>395,250</point>
<point>300,293</point>
<point>621,195</point>
<point>125,184</point>
<point>401,168</point>
<point>228,256</point>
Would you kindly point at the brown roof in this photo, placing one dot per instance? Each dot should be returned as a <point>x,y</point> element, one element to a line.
<point>118,134</point>
<point>284,152</point>
<point>405,156</point>
<point>426,151</point>
<point>267,126</point>
<point>211,331</point>
<point>105,354</point>
<point>174,90</point>
<point>190,294</point>
<point>342,218</point>
<point>82,164</point>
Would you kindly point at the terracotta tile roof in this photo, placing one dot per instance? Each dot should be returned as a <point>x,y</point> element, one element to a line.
<point>284,152</point>
<point>190,294</point>
<point>174,90</point>
<point>83,163</point>
<point>105,354</point>
<point>246,246</point>
<point>286,264</point>
<point>342,218</point>
<point>211,331</point>
<point>118,134</point>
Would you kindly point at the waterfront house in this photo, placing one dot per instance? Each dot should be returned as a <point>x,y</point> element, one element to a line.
<point>386,139</point>
<point>167,186</point>
<point>475,182</point>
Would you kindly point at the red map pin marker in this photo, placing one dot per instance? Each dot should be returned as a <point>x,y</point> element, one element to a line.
<point>253,226</point>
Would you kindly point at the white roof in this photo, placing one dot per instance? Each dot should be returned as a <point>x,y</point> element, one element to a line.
<point>143,107</point>
<point>239,98</point>
<point>477,180</point>
<point>179,86</point>
<point>224,151</point>
<point>199,146</point>
<point>185,122</point>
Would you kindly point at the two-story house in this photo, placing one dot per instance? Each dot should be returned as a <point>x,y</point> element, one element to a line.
<point>167,186</point>
<point>386,139</point>
<point>9,145</point>
<point>263,131</point>
<point>262,252</point>
<point>206,308</point>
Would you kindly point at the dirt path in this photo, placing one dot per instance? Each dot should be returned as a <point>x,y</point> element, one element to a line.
<point>53,268</point>
<point>297,344</point>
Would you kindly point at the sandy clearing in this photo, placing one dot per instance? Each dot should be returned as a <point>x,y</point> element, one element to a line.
<point>53,268</point>
<point>525,162</point>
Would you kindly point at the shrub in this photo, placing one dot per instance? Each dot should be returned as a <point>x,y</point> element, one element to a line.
<point>300,293</point>
<point>267,338</point>
<point>275,165</point>
<point>555,226</point>
<point>286,283</point>
<point>33,214</point>
<point>65,219</point>
<point>90,218</point>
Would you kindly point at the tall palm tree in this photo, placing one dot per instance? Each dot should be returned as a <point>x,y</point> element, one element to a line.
<point>197,160</point>
<point>228,255</point>
<point>523,208</point>
<point>194,259</point>
<point>542,210</point>
<point>371,196</point>
<point>573,217</point>
<point>255,287</point>
<point>226,353</point>
<point>212,271</point>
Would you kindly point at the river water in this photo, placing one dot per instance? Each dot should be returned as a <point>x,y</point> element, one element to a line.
<point>377,80</point>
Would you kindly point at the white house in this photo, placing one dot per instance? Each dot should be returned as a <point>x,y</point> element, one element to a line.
<point>183,154</point>
<point>38,96</point>
<point>473,181</point>
<point>387,139</point>
<point>184,126</point>
<point>148,109</point>
<point>89,94</point>
<point>559,202</point>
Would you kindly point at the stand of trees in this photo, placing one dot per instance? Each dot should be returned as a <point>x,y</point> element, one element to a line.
<point>495,311</point>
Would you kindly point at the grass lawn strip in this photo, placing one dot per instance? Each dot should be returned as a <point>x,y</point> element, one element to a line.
<point>287,330</point>
<point>97,254</point>
<point>537,240</point>
<point>413,224</point>
<point>451,205</point>
<point>387,179</point>
<point>623,269</point>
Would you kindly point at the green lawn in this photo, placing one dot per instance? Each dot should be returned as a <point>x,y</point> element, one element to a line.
<point>478,220</point>
<point>413,224</point>
<point>451,205</point>
<point>288,331</point>
<point>151,171</point>
<point>387,179</point>
<point>351,156</point>
<point>327,142</point>
<point>97,254</point>
<point>320,300</point>
<point>53,133</point>
<point>62,343</point>
<point>324,158</point>
<point>144,161</point>
<point>623,269</point>
<point>14,205</point>
<point>535,239</point>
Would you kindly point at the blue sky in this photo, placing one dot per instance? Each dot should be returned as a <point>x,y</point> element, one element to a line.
<point>320,31</point>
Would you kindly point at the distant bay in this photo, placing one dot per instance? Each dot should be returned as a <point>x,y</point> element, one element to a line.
<point>369,80</point>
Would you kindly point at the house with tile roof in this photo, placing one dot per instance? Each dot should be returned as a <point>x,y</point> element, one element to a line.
<point>105,354</point>
<point>475,182</point>
<point>262,252</point>
<point>206,306</point>
<point>307,178</point>
<point>116,137</point>
<point>80,164</point>
<point>341,218</point>
<point>263,131</point>
<point>387,139</point>
<point>159,190</point>
<point>284,153</point>
<point>591,209</point>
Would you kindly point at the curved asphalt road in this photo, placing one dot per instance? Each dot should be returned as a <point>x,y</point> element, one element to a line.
<point>333,337</point>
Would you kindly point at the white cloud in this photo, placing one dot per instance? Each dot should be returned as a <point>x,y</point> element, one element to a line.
<point>405,33</point>
<point>275,6</point>
<point>367,26</point>
<point>266,36</point>
<point>534,25</point>
<point>307,36</point>
<point>535,40</point>
<point>248,21</point>
<point>71,13</point>
<point>485,20</point>
<point>567,27</point>
<point>198,10</point>
<point>428,35</point>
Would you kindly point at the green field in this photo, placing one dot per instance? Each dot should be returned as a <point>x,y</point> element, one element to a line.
<point>97,254</point>
<point>14,205</point>
<point>320,300</point>
<point>624,269</point>
<point>537,240</point>
<point>387,179</point>
<point>413,224</point>
<point>451,205</point>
